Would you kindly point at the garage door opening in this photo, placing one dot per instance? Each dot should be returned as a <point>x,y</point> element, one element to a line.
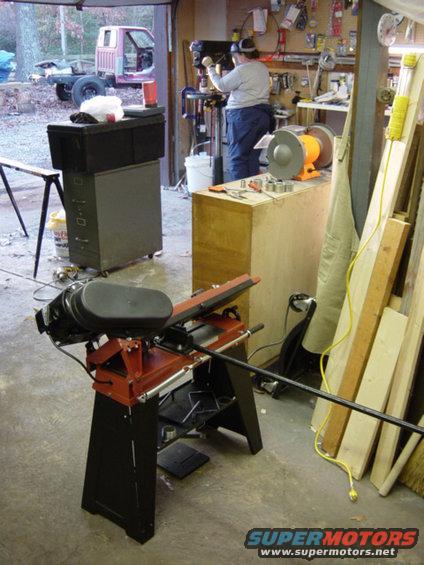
<point>52,49</point>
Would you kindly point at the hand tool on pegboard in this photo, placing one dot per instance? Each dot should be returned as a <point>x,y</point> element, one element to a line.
<point>313,22</point>
<point>336,17</point>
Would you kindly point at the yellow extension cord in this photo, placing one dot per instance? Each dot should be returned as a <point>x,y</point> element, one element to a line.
<point>353,495</point>
<point>394,133</point>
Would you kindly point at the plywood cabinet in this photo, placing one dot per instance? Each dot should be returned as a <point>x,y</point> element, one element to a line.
<point>277,239</point>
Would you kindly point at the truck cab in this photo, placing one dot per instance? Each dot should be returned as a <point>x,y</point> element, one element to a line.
<point>124,54</point>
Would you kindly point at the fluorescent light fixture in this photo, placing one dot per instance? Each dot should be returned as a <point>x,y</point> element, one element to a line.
<point>401,49</point>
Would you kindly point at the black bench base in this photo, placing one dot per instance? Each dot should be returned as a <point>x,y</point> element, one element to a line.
<point>120,480</point>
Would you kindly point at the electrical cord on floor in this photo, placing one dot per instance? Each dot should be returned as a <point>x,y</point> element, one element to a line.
<point>45,299</point>
<point>59,288</point>
<point>59,348</point>
<point>275,342</point>
<point>353,495</point>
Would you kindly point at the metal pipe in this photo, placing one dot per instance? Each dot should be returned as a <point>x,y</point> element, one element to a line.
<point>218,131</point>
<point>199,361</point>
<point>199,145</point>
<point>317,392</point>
<point>157,389</point>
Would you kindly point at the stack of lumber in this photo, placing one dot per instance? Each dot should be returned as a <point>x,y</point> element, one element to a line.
<point>376,364</point>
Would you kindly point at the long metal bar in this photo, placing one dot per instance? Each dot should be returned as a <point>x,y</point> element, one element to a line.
<point>316,392</point>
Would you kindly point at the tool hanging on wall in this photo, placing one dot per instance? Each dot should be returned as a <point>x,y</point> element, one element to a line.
<point>290,17</point>
<point>302,19</point>
<point>287,80</point>
<point>311,40</point>
<point>259,20</point>
<point>297,153</point>
<point>281,81</point>
<point>336,17</point>
<point>352,41</point>
<point>320,41</point>
<point>313,22</point>
<point>341,47</point>
<point>326,62</point>
<point>282,40</point>
<point>275,85</point>
<point>304,81</point>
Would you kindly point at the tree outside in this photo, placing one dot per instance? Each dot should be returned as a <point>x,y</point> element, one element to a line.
<point>27,43</point>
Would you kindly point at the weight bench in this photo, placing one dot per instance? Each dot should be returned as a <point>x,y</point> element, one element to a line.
<point>49,177</point>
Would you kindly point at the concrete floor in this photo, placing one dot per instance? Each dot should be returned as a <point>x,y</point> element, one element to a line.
<point>46,404</point>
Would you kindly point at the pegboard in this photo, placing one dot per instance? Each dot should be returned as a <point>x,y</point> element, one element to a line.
<point>237,11</point>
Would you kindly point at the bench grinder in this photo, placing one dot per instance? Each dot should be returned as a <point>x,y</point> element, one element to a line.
<point>297,153</point>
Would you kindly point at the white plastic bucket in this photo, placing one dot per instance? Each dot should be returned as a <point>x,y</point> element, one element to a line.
<point>199,172</point>
<point>57,224</point>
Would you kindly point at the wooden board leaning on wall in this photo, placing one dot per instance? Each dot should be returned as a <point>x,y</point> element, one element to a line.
<point>362,272</point>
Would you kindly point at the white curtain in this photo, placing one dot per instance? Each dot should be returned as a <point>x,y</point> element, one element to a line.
<point>412,9</point>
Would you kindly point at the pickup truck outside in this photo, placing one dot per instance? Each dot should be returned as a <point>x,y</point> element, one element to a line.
<point>124,57</point>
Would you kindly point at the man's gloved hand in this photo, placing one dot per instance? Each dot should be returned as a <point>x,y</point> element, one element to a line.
<point>207,62</point>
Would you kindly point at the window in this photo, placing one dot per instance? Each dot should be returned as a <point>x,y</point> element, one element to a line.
<point>142,38</point>
<point>107,38</point>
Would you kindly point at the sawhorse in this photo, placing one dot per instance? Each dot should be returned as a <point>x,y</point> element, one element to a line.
<point>49,177</point>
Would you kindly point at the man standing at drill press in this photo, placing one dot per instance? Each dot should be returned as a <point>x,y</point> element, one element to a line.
<point>249,115</point>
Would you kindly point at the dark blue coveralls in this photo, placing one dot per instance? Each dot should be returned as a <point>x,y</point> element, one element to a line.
<point>245,127</point>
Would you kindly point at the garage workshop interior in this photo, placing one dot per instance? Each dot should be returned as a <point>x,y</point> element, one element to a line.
<point>213,301</point>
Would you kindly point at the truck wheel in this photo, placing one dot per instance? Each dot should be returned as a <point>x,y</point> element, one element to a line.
<point>63,92</point>
<point>86,88</point>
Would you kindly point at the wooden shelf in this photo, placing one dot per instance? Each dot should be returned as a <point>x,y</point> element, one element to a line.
<point>339,68</point>
<point>299,67</point>
<point>329,107</point>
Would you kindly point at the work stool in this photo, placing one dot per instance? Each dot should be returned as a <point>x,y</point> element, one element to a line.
<point>49,177</point>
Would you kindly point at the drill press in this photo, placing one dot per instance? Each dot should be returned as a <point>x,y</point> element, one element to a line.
<point>202,99</point>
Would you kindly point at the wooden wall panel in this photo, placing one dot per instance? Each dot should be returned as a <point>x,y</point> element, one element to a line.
<point>185,28</point>
<point>237,11</point>
<point>211,20</point>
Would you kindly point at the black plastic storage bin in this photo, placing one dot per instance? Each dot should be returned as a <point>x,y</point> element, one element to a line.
<point>94,148</point>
